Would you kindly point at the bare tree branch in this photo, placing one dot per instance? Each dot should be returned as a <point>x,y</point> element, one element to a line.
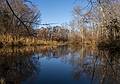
<point>18,17</point>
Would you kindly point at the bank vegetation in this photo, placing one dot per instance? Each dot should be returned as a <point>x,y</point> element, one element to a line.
<point>96,24</point>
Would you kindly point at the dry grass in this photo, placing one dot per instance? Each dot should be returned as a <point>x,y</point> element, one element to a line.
<point>9,40</point>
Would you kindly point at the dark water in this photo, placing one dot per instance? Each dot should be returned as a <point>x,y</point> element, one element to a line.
<point>59,65</point>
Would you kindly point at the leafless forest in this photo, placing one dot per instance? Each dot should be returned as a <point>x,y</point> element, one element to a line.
<point>84,51</point>
<point>98,26</point>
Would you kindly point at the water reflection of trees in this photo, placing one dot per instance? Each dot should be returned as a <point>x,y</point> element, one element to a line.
<point>15,65</point>
<point>111,67</point>
<point>53,52</point>
<point>102,67</point>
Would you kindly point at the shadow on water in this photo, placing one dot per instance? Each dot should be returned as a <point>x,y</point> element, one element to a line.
<point>103,66</point>
<point>15,65</point>
<point>68,65</point>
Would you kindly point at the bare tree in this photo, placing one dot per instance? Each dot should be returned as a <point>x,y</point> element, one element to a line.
<point>19,15</point>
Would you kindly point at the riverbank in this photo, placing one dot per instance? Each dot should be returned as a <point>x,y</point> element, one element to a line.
<point>109,45</point>
<point>19,41</point>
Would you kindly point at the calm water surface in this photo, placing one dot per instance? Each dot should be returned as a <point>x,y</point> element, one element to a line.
<point>59,65</point>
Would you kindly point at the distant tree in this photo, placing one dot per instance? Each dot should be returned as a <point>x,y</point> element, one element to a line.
<point>56,33</point>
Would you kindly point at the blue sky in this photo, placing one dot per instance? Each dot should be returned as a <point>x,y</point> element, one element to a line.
<point>56,11</point>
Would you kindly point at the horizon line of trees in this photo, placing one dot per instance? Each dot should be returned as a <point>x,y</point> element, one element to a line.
<point>55,33</point>
<point>100,25</point>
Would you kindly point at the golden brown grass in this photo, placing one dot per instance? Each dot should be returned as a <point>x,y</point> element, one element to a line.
<point>9,40</point>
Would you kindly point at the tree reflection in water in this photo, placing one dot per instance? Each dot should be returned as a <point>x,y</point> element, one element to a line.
<point>15,65</point>
<point>100,66</point>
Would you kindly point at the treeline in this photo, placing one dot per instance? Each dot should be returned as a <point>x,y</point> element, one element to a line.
<point>100,25</point>
<point>55,33</point>
<point>17,19</point>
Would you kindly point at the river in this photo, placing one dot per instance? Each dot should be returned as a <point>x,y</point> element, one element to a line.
<point>59,65</point>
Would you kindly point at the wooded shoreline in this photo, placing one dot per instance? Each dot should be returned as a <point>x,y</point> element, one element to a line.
<point>98,27</point>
